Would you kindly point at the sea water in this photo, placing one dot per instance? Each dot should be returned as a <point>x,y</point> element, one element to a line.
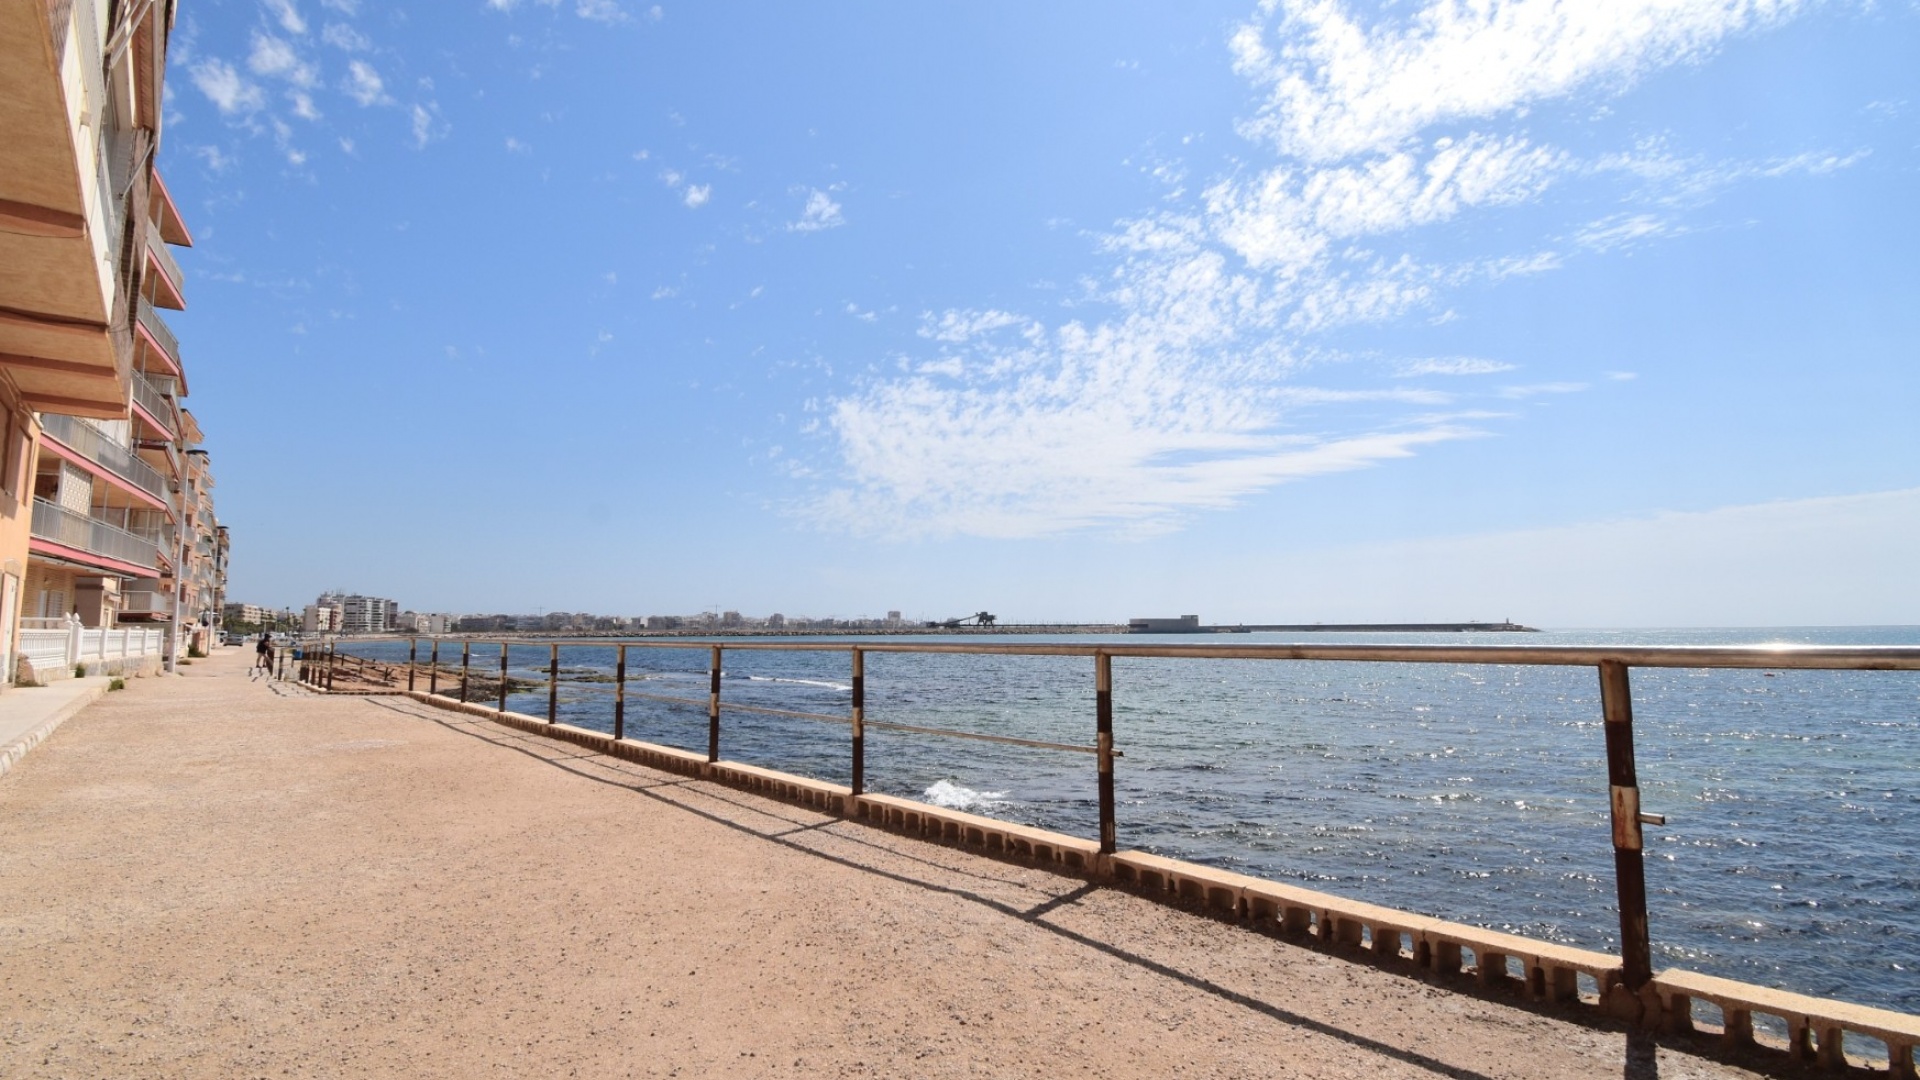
<point>1477,793</point>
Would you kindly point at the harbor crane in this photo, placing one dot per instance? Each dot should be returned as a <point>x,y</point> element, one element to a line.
<point>978,618</point>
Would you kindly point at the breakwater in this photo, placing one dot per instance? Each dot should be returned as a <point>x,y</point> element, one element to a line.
<point>1462,783</point>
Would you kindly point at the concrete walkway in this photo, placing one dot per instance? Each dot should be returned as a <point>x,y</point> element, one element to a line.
<point>212,876</point>
<point>28,714</point>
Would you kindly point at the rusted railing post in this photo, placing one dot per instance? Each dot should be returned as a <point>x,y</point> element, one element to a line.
<point>433,675</point>
<point>1103,735</point>
<point>620,694</point>
<point>503,676</point>
<point>859,784</point>
<point>1629,866</point>
<point>466,658</point>
<point>713,709</point>
<point>413,647</point>
<point>553,682</point>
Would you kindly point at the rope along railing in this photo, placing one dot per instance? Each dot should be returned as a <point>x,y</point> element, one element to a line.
<point>1550,970</point>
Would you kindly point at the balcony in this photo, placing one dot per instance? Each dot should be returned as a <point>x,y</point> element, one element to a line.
<point>146,602</point>
<point>162,335</point>
<point>165,291</point>
<point>58,525</point>
<point>156,404</point>
<point>87,441</point>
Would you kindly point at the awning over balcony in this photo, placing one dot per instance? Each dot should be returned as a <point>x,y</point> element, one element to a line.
<point>54,290</point>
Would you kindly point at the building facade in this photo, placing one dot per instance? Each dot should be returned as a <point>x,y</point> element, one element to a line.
<point>106,516</point>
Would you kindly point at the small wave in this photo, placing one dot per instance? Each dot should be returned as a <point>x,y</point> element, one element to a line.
<point>842,687</point>
<point>952,796</point>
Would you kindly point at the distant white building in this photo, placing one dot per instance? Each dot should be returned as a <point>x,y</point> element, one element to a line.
<point>368,614</point>
<point>414,622</point>
<point>319,619</point>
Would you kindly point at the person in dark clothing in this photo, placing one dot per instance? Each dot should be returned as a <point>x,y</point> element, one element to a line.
<point>263,652</point>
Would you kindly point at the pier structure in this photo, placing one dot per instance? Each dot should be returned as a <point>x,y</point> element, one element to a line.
<point>1620,986</point>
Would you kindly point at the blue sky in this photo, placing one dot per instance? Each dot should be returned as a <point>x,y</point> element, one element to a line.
<point>1575,313</point>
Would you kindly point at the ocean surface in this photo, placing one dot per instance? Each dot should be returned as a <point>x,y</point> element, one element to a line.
<point>1478,793</point>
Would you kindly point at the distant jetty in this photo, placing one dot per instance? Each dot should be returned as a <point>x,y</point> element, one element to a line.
<point>1190,624</point>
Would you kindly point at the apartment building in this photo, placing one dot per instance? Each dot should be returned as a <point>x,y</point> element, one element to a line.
<point>368,615</point>
<point>106,516</point>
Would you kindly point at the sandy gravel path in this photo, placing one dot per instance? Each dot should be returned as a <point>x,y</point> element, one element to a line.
<point>210,876</point>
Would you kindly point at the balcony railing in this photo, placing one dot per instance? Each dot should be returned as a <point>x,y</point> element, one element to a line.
<point>157,403</point>
<point>60,525</point>
<point>86,440</point>
<point>146,603</point>
<point>150,319</point>
<point>175,280</point>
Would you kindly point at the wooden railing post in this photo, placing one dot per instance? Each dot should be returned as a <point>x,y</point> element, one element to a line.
<point>1629,866</point>
<point>713,709</point>
<point>333,663</point>
<point>433,674</point>
<point>413,647</point>
<point>1103,734</point>
<point>620,694</point>
<point>553,682</point>
<point>859,784</point>
<point>466,658</point>
<point>503,676</point>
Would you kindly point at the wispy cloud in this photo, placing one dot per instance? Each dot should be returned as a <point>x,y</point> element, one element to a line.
<point>426,124</point>
<point>697,195</point>
<point>277,58</point>
<point>287,15</point>
<point>364,84</point>
<point>1174,388</point>
<point>229,91</point>
<point>820,212</point>
<point>1451,365</point>
<point>1336,88</point>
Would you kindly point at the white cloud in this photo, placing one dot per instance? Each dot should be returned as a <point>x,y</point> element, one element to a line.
<point>276,58</point>
<point>288,15</point>
<point>665,292</point>
<point>656,13</point>
<point>303,105</point>
<point>606,11</point>
<point>229,91</point>
<point>698,194</point>
<point>515,146</point>
<point>1171,391</point>
<point>344,7</point>
<point>1624,230</point>
<point>958,326</point>
<point>1336,88</point>
<point>821,212</point>
<point>364,84</point>
<point>1290,216</point>
<point>426,124</point>
<point>344,37</point>
<point>1452,365</point>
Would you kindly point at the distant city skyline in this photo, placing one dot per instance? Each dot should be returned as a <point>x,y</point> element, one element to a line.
<point>1587,315</point>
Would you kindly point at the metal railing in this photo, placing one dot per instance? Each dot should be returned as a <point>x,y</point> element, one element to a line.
<point>161,255</point>
<point>1612,666</point>
<point>162,333</point>
<point>85,439</point>
<point>60,525</point>
<point>157,403</point>
<point>145,602</point>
